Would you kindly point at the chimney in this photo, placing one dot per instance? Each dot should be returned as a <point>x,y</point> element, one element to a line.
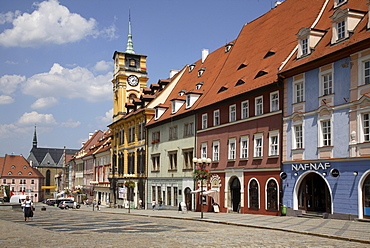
<point>173,73</point>
<point>277,3</point>
<point>204,54</point>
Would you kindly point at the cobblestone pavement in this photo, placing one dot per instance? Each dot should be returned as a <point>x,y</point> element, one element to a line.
<point>85,228</point>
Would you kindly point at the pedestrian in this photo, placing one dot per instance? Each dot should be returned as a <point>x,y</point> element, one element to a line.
<point>153,204</point>
<point>140,203</point>
<point>99,202</point>
<point>27,209</point>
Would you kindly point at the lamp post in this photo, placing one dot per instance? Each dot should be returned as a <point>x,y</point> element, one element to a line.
<point>201,174</point>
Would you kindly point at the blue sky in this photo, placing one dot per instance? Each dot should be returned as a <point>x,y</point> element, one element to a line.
<point>56,58</point>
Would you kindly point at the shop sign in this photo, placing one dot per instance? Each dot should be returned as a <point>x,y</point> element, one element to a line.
<point>310,166</point>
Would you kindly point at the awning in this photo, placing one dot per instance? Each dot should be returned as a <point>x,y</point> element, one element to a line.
<point>212,193</point>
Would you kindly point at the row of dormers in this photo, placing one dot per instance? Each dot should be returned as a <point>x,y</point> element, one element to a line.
<point>344,21</point>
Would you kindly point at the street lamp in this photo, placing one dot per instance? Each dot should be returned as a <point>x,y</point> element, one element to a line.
<point>201,174</point>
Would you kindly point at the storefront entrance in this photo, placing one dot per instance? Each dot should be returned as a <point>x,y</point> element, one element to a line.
<point>235,194</point>
<point>366,192</point>
<point>313,194</point>
<point>188,199</point>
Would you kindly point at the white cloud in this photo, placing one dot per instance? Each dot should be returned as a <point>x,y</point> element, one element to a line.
<point>6,100</point>
<point>71,123</point>
<point>50,23</point>
<point>107,119</point>
<point>45,102</point>
<point>103,66</point>
<point>8,130</point>
<point>36,118</point>
<point>72,83</point>
<point>9,83</point>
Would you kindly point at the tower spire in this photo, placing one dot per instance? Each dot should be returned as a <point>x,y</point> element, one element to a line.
<point>34,138</point>
<point>130,44</point>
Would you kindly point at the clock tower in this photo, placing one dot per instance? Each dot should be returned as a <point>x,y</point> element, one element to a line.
<point>129,78</point>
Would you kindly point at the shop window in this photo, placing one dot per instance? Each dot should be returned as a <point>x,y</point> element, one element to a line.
<point>254,194</point>
<point>272,195</point>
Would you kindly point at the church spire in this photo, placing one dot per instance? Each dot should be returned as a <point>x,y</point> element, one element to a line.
<point>35,138</point>
<point>130,44</point>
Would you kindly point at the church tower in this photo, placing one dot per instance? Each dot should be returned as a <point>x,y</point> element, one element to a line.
<point>34,142</point>
<point>129,78</point>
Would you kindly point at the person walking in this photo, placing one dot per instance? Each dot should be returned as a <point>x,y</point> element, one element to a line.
<point>27,209</point>
<point>153,204</point>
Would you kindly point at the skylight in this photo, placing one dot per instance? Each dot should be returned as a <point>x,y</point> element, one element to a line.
<point>260,74</point>
<point>269,54</point>
<point>240,82</point>
<point>222,89</point>
<point>242,66</point>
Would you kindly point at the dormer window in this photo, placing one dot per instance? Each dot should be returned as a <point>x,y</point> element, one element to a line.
<point>344,22</point>
<point>201,71</point>
<point>191,67</point>
<point>176,105</point>
<point>307,40</point>
<point>338,3</point>
<point>182,92</point>
<point>228,47</point>
<point>199,85</point>
<point>191,99</point>
<point>159,112</point>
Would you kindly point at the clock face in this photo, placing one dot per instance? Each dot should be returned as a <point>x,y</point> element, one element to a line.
<point>133,80</point>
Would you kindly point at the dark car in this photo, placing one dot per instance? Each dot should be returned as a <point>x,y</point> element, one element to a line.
<point>50,202</point>
<point>68,204</point>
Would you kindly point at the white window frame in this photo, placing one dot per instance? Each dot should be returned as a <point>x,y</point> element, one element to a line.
<point>245,109</point>
<point>258,145</point>
<point>232,149</point>
<point>172,159</point>
<point>156,164</point>
<point>297,140</point>
<point>204,121</point>
<point>324,131</point>
<point>274,143</point>
<point>258,105</point>
<point>362,70</point>
<point>203,150</point>
<point>363,126</point>
<point>298,93</point>
<point>215,150</point>
<point>326,89</point>
<point>244,144</point>
<point>216,117</point>
<point>274,102</point>
<point>259,192</point>
<point>232,113</point>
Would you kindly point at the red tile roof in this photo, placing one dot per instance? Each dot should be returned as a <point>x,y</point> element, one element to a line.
<point>271,34</point>
<point>16,166</point>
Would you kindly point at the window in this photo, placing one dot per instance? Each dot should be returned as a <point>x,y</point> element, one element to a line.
<point>216,117</point>
<point>338,3</point>
<point>258,145</point>
<point>231,149</point>
<point>169,195</point>
<point>216,150</point>
<point>122,136</point>
<point>245,109</point>
<point>366,127</point>
<point>304,45</point>
<point>201,71</point>
<point>204,121</point>
<point>244,147</point>
<point>274,143</point>
<point>188,159</point>
<point>274,101</point>
<point>298,137</point>
<point>272,195</point>
<point>299,92</point>
<point>173,133</point>
<point>341,29</point>
<point>203,150</point>
<point>326,83</point>
<point>4,181</point>
<point>175,202</point>
<point>141,131</point>
<point>326,133</point>
<point>188,101</point>
<point>232,113</point>
<point>155,162</point>
<point>131,163</point>
<point>188,129</point>
<point>173,160</point>
<point>259,105</point>
<point>253,194</point>
<point>131,134</point>
<point>155,137</point>
<point>199,85</point>
<point>367,72</point>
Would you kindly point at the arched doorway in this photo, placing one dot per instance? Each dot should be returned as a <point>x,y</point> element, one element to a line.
<point>313,194</point>
<point>235,194</point>
<point>366,197</point>
<point>188,198</point>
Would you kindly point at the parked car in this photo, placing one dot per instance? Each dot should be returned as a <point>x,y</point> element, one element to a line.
<point>50,202</point>
<point>68,204</point>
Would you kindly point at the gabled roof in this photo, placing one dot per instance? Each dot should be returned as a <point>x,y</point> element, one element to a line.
<point>324,48</point>
<point>16,166</point>
<point>55,153</point>
<point>254,59</point>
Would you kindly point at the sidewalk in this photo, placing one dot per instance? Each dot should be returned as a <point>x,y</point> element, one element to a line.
<point>330,228</point>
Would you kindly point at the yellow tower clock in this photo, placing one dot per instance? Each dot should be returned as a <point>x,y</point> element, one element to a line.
<point>129,79</point>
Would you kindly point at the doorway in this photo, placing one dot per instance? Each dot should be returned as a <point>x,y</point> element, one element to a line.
<point>235,194</point>
<point>366,198</point>
<point>188,198</point>
<point>313,194</point>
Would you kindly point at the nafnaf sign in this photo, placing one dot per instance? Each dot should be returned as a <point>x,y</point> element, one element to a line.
<point>310,166</point>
